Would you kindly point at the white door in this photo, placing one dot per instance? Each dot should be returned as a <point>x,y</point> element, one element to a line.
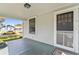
<point>65,30</point>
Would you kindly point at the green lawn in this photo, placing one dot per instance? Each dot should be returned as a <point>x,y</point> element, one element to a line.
<point>9,38</point>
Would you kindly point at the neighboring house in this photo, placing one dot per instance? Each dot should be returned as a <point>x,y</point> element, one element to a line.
<point>18,28</point>
<point>6,28</point>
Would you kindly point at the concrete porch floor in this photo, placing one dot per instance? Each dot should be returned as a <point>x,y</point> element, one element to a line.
<point>32,47</point>
<point>38,48</point>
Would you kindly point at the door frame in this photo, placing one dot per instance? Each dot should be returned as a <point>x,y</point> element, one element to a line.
<point>75,29</point>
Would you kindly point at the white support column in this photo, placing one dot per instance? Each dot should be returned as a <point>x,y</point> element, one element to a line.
<point>76,41</point>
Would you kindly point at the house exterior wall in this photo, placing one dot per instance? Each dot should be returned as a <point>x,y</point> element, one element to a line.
<point>45,26</point>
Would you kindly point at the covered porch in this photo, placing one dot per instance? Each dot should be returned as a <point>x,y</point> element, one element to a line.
<point>42,30</point>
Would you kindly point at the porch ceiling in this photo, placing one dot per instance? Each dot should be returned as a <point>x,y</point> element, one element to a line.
<point>17,10</point>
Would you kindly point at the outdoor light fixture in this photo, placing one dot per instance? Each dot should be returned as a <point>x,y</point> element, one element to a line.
<point>27,5</point>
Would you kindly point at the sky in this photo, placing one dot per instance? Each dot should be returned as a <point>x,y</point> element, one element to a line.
<point>10,21</point>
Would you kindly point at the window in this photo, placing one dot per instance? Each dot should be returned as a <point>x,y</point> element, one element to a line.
<point>65,21</point>
<point>65,29</point>
<point>32,26</point>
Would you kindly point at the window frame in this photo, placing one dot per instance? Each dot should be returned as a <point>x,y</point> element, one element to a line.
<point>33,27</point>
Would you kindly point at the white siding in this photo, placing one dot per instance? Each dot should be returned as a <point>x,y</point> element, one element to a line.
<point>44,28</point>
